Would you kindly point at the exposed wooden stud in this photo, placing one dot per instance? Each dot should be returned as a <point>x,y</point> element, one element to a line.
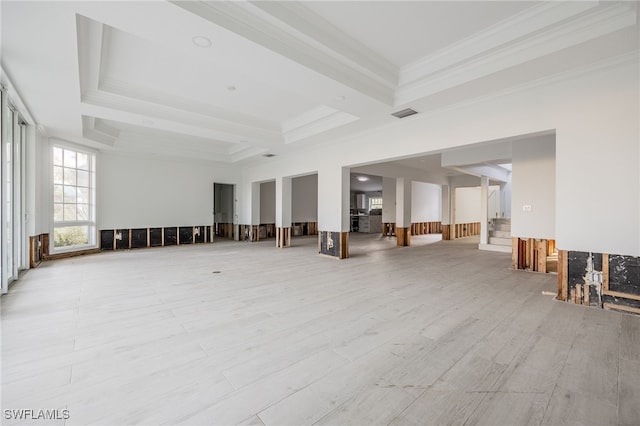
<point>621,308</point>
<point>585,295</point>
<point>542,256</point>
<point>344,245</point>
<point>565,274</point>
<point>514,252</point>
<point>148,237</point>
<point>622,295</point>
<point>605,273</point>
<point>560,279</point>
<point>403,236</point>
<point>578,300</point>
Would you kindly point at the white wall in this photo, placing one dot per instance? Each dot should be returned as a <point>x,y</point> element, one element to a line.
<point>304,199</point>
<point>533,184</point>
<point>138,192</point>
<point>594,113</point>
<point>388,200</point>
<point>268,202</point>
<point>426,199</point>
<point>467,205</point>
<point>494,205</point>
<point>42,214</point>
<point>223,203</point>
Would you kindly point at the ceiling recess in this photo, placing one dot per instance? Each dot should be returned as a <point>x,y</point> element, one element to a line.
<point>268,155</point>
<point>404,113</point>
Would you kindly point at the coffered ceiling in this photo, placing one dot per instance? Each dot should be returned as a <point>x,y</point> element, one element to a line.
<point>231,81</point>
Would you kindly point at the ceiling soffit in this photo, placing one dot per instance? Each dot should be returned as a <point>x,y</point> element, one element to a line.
<point>512,42</point>
<point>306,39</point>
<point>293,30</point>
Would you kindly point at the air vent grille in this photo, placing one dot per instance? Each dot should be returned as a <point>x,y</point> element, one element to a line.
<point>404,113</point>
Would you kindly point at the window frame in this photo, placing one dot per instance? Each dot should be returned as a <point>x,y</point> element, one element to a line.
<point>91,222</point>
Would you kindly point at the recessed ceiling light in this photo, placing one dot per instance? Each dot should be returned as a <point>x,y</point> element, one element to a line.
<point>231,88</point>
<point>201,41</point>
<point>362,178</point>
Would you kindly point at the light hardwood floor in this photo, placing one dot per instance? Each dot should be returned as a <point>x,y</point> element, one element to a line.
<point>436,333</point>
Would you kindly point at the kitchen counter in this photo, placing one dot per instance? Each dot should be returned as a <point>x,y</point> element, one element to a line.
<point>370,224</point>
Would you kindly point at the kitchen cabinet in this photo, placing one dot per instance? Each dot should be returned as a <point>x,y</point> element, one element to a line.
<point>363,224</point>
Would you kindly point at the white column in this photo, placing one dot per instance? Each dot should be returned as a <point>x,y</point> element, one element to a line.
<point>334,188</point>
<point>283,202</point>
<point>403,203</point>
<point>445,205</point>
<point>505,198</point>
<point>254,217</point>
<point>388,200</point>
<point>484,210</point>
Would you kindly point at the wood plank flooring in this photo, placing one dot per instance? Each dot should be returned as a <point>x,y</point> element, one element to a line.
<point>244,333</point>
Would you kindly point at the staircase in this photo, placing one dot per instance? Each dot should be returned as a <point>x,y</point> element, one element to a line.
<point>500,232</point>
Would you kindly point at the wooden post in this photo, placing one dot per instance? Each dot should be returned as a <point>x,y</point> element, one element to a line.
<point>565,273</point>
<point>344,245</point>
<point>605,272</point>
<point>561,273</point>
<point>542,256</point>
<point>515,243</point>
<point>403,236</point>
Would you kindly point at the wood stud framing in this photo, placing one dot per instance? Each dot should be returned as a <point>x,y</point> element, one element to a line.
<point>531,254</point>
<point>205,231</point>
<point>283,237</point>
<point>578,293</point>
<point>403,236</point>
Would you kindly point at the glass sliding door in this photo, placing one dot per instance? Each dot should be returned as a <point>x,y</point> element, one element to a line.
<point>12,218</point>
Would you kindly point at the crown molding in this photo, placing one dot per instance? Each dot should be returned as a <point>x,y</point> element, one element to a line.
<point>96,90</point>
<point>595,23</point>
<point>316,121</point>
<point>89,131</point>
<point>246,153</point>
<point>255,24</point>
<point>603,66</point>
<point>522,24</point>
<point>221,117</point>
<point>335,42</point>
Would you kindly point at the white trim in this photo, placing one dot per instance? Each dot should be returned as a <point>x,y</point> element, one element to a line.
<point>526,22</point>
<point>596,23</point>
<point>252,23</point>
<point>93,208</point>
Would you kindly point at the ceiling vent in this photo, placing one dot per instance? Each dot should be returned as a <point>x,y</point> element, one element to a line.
<point>404,113</point>
<point>268,155</point>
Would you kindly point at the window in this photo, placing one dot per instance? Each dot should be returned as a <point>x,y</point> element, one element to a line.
<point>13,256</point>
<point>375,203</point>
<point>73,199</point>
